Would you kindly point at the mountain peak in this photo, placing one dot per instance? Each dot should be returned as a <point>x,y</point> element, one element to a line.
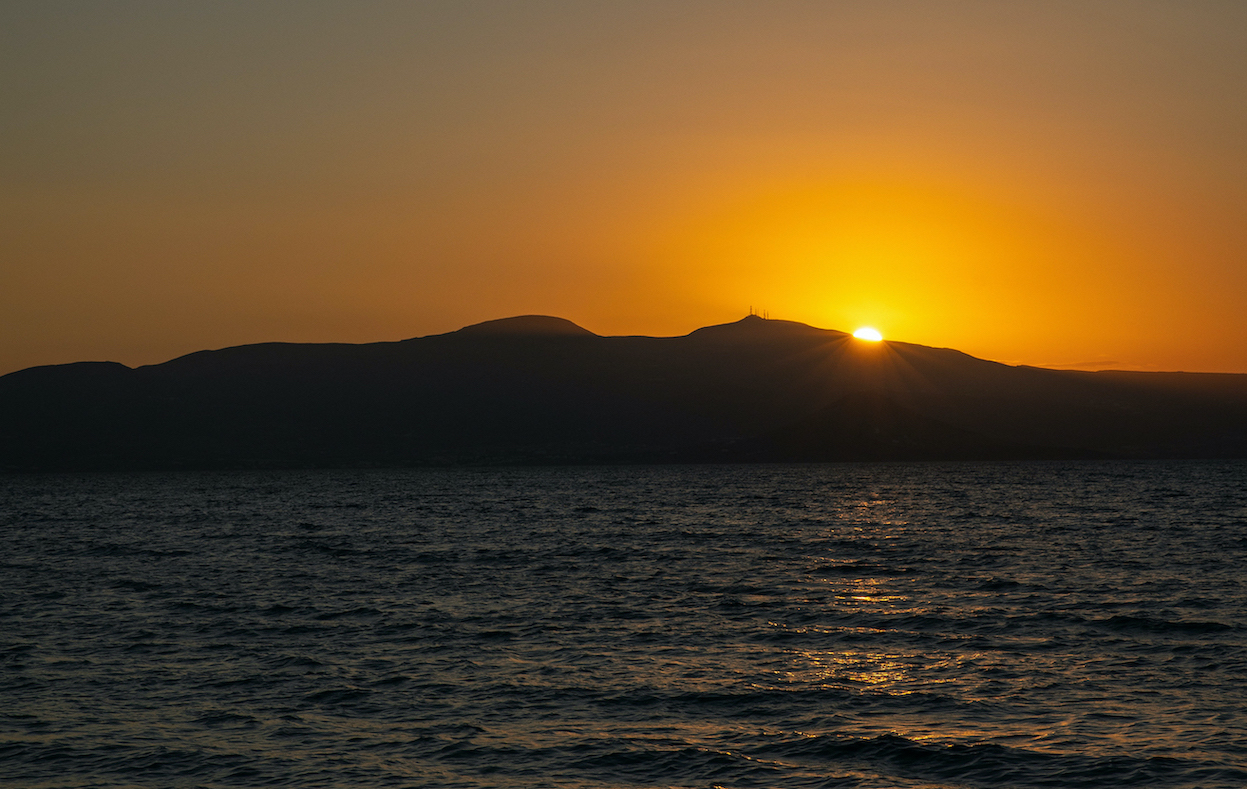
<point>755,326</point>
<point>527,326</point>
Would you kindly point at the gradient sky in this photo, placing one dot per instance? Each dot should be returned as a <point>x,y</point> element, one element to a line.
<point>1051,183</point>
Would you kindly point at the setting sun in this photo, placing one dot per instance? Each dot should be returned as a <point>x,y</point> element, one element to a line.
<point>867,333</point>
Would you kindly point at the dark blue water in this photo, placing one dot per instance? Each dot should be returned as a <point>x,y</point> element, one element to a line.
<point>926,625</point>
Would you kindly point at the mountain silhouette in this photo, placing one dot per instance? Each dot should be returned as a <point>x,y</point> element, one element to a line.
<point>527,325</point>
<point>539,389</point>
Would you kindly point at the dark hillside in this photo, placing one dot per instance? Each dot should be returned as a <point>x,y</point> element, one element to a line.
<point>541,389</point>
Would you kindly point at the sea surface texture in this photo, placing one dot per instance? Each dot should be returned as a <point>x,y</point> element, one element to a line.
<point>899,625</point>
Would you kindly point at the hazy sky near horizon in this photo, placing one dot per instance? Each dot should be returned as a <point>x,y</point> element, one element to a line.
<point>1055,183</point>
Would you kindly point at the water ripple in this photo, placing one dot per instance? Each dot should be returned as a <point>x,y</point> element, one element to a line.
<point>905,625</point>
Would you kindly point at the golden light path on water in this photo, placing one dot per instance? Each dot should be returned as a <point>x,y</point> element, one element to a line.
<point>894,672</point>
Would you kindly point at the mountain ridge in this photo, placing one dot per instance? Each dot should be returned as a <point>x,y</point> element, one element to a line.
<point>540,389</point>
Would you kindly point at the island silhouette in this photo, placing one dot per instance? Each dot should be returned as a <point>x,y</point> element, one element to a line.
<point>540,389</point>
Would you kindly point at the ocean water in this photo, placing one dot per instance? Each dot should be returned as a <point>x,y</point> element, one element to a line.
<point>893,625</point>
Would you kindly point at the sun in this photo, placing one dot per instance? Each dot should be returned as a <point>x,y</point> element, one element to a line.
<point>867,333</point>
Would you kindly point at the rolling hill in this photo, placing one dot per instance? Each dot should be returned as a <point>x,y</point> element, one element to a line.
<point>537,389</point>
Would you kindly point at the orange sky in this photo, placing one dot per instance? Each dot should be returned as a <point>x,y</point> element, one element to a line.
<point>1057,183</point>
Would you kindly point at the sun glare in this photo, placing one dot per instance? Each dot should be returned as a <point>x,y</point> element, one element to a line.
<point>867,333</point>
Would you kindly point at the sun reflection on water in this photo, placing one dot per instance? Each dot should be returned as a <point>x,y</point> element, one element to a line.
<point>894,672</point>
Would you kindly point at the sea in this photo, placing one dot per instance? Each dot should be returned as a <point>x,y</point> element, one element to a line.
<point>842,625</point>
